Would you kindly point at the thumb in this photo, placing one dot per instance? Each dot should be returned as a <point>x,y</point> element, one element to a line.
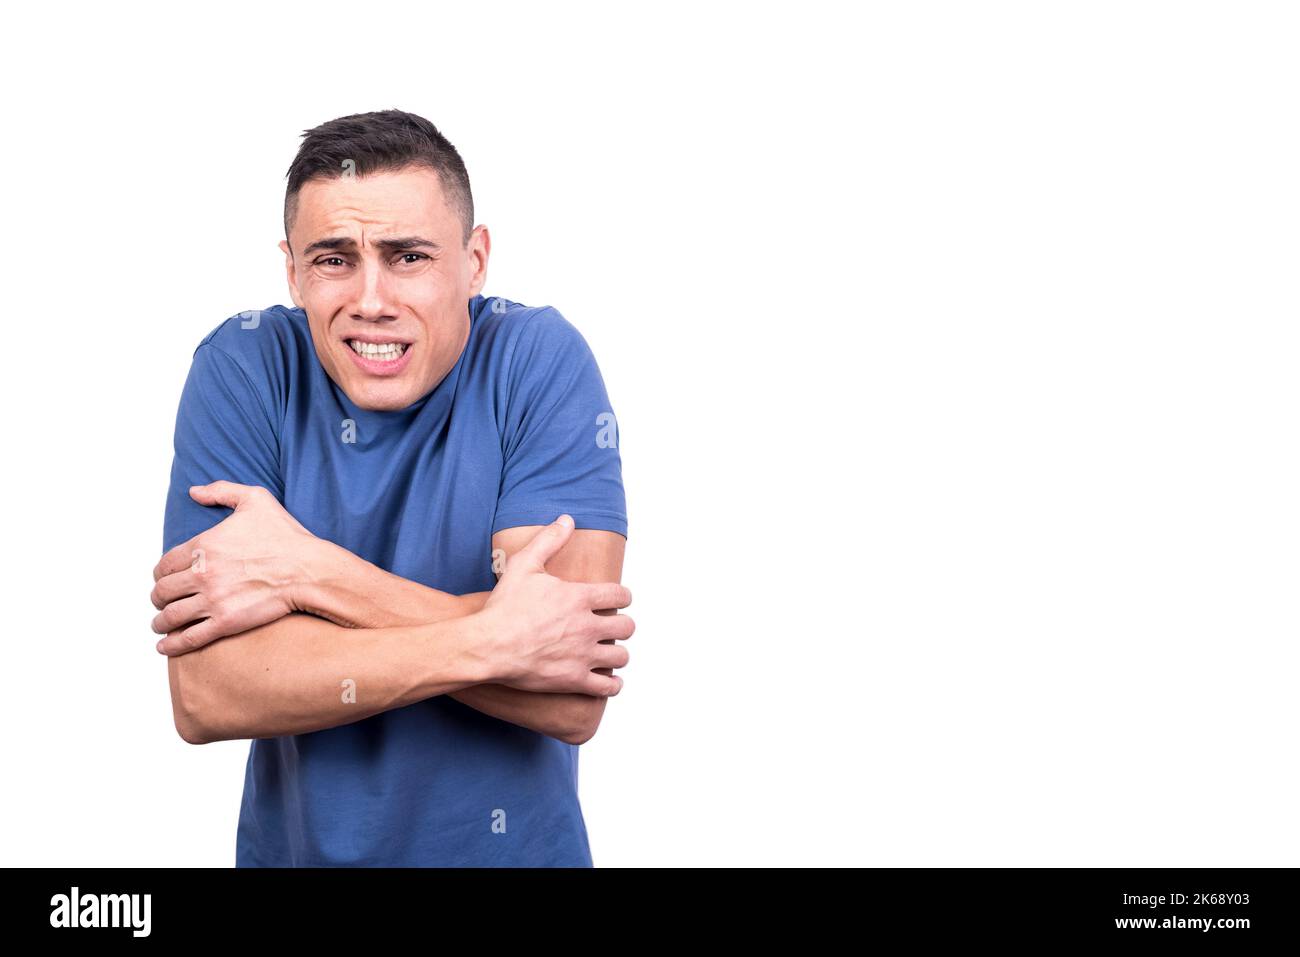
<point>228,494</point>
<point>545,544</point>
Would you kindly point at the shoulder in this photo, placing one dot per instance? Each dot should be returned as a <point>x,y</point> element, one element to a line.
<point>523,335</point>
<point>257,332</point>
<point>266,345</point>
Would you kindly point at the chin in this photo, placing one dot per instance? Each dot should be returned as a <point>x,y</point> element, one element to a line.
<point>382,399</point>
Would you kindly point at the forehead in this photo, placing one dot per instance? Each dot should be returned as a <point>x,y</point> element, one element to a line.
<point>409,201</point>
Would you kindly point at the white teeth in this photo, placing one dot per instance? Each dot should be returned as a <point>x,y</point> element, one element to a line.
<point>383,352</point>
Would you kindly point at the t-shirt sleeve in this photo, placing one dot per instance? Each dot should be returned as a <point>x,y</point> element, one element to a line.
<point>224,430</point>
<point>560,438</point>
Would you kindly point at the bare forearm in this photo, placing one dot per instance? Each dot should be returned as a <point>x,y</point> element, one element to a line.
<point>563,716</point>
<point>301,674</point>
<point>351,591</point>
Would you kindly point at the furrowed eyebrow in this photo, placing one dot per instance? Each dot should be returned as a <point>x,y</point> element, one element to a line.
<point>406,242</point>
<point>388,245</point>
<point>341,242</point>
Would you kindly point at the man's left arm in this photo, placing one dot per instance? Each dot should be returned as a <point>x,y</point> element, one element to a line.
<point>561,455</point>
<point>591,555</point>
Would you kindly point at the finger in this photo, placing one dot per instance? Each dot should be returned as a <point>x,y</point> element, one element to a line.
<point>190,639</point>
<point>604,686</point>
<point>171,587</point>
<point>229,494</point>
<point>544,545</point>
<point>608,595</point>
<point>178,559</point>
<point>615,628</point>
<point>180,613</point>
<point>611,656</point>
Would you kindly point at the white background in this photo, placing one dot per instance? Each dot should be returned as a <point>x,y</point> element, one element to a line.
<point>954,350</point>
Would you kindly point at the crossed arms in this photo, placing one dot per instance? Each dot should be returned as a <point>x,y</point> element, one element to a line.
<point>271,631</point>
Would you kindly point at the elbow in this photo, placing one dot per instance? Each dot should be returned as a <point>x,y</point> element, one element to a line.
<point>186,713</point>
<point>192,733</point>
<point>584,721</point>
<point>189,727</point>
<point>578,736</point>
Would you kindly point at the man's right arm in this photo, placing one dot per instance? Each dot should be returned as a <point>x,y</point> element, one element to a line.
<point>302,673</point>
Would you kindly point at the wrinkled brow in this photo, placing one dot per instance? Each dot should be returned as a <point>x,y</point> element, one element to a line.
<point>397,244</point>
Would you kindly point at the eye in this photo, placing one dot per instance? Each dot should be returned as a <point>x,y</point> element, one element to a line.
<point>330,262</point>
<point>410,259</point>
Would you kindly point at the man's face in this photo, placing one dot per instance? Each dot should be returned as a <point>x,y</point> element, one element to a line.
<point>378,264</point>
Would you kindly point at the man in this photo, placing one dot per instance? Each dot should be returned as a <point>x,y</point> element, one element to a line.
<point>394,533</point>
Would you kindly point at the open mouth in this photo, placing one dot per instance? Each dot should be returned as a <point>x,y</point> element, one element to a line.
<point>379,357</point>
<point>379,351</point>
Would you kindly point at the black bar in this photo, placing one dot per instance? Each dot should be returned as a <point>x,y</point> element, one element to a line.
<point>976,905</point>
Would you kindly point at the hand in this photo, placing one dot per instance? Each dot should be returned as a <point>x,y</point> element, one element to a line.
<point>545,632</point>
<point>237,575</point>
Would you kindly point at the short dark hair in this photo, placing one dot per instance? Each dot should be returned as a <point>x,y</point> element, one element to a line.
<point>386,140</point>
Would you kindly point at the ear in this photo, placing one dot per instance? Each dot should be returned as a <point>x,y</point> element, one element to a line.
<point>480,244</point>
<point>291,273</point>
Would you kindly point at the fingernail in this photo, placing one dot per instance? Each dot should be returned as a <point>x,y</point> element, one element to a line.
<point>565,520</point>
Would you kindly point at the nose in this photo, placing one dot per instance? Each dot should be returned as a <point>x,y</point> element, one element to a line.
<point>374,296</point>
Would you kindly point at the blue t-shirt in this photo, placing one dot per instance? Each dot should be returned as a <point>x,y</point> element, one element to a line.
<point>517,433</point>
